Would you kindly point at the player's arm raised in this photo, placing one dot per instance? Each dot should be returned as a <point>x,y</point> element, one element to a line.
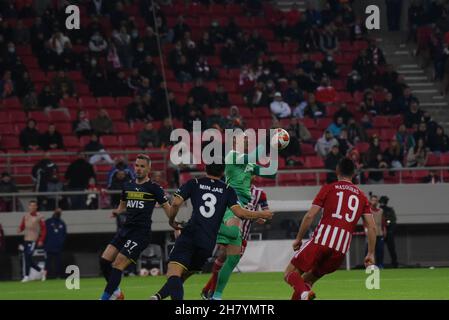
<point>247,214</point>
<point>370,225</point>
<point>305,225</point>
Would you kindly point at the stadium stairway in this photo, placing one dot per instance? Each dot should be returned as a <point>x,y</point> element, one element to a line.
<point>402,55</point>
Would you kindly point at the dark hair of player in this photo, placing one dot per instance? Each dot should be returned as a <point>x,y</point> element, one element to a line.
<point>346,168</point>
<point>215,170</point>
<point>143,157</point>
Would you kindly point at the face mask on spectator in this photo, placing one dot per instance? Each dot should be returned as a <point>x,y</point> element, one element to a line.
<point>93,63</point>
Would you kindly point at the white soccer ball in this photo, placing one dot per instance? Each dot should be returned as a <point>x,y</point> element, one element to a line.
<point>144,272</point>
<point>282,137</point>
<point>155,272</point>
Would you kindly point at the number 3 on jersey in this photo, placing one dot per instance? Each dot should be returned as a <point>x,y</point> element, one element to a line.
<point>353,205</point>
<point>210,201</point>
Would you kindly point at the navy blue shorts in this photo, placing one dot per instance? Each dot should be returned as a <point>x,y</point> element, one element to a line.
<point>189,255</point>
<point>131,241</point>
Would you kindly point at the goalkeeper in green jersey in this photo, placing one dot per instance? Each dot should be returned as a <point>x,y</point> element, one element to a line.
<point>239,170</point>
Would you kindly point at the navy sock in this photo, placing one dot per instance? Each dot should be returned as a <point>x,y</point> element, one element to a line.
<point>164,292</point>
<point>176,288</point>
<point>106,267</point>
<point>114,281</point>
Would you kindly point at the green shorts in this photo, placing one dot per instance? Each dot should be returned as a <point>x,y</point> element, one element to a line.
<point>222,239</point>
<point>225,240</point>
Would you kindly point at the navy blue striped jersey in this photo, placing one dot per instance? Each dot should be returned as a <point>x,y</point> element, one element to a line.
<point>210,198</point>
<point>140,202</point>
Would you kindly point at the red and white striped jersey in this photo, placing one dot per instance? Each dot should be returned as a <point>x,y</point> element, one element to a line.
<point>258,202</point>
<point>343,204</point>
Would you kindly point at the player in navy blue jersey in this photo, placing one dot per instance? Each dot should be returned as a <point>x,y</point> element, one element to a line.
<point>210,197</point>
<point>137,203</point>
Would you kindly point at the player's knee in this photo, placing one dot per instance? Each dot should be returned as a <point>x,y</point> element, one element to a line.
<point>120,262</point>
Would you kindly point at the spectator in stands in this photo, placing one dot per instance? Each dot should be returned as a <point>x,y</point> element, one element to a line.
<point>258,96</point>
<point>388,106</point>
<point>343,142</point>
<point>7,86</point>
<point>331,162</point>
<point>312,108</point>
<point>377,162</point>
<point>145,87</point>
<point>119,85</point>
<point>21,33</point>
<point>93,197</point>
<point>422,133</point>
<point>97,151</point>
<point>325,144</point>
<point>180,28</point>
<point>293,94</point>
<point>432,178</point>
<point>220,97</point>
<point>52,139</point>
<point>230,54</point>
<point>375,54</point>
<point>165,132</point>
<point>148,137</point>
<point>42,173</point>
<point>30,102</point>
<point>366,121</point>
<point>118,15</point>
<point>29,137</point>
<point>24,85</point>
<point>120,165</point>
<point>417,156</point>
<point>439,143</point>
<point>206,46</point>
<point>373,150</point>
<point>234,119</point>
<point>276,68</point>
<point>48,100</point>
<point>293,149</point>
<point>336,126</point>
<point>355,82</point>
<point>150,42</point>
<point>279,108</point>
<point>81,126</point>
<point>192,115</point>
<point>122,41</point>
<point>97,79</point>
<point>299,130</point>
<point>58,42</point>
<point>203,70</point>
<point>98,7</point>
<point>394,13</point>
<point>201,94</point>
<point>97,44</point>
<point>54,244</point>
<point>405,139</point>
<point>117,183</point>
<point>77,175</point>
<point>113,58</point>
<point>53,185</point>
<point>328,40</point>
<point>134,80</point>
<point>102,124</point>
<point>283,31</point>
<point>344,113</point>
<point>7,185</point>
<point>184,70</point>
<point>329,66</point>
<point>216,120</point>
<point>392,155</point>
<point>406,99</point>
<point>157,177</point>
<point>63,85</point>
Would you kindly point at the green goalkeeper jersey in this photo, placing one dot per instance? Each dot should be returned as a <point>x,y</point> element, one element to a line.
<point>238,175</point>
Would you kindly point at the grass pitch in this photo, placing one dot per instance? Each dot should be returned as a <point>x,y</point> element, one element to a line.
<point>400,284</point>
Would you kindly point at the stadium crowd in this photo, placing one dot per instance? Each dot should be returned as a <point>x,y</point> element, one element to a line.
<point>227,64</point>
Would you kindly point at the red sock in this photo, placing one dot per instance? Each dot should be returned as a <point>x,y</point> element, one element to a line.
<point>297,282</point>
<point>211,284</point>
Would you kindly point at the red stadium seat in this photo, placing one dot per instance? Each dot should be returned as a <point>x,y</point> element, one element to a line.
<point>128,141</point>
<point>58,116</point>
<point>433,160</point>
<point>312,162</point>
<point>381,122</point>
<point>11,103</point>
<point>72,142</point>
<point>445,159</point>
<point>10,142</point>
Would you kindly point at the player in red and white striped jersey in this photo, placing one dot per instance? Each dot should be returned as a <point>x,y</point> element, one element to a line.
<point>258,202</point>
<point>343,204</point>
